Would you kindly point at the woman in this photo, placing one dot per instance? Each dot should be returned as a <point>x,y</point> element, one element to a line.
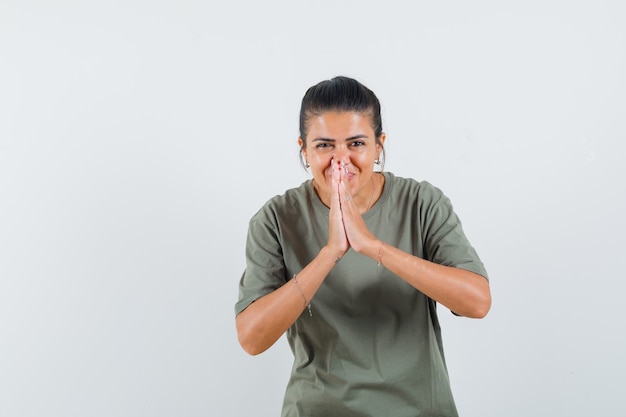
<point>351,264</point>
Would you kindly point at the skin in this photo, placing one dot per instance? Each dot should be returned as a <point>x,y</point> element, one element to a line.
<point>337,141</point>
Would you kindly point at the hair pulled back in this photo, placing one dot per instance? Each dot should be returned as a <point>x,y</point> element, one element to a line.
<point>340,94</point>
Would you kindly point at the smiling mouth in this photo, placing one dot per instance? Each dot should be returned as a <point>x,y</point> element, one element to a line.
<point>345,170</point>
<point>347,173</point>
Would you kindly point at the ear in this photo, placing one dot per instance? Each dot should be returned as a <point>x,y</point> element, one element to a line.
<point>300,143</point>
<point>382,139</point>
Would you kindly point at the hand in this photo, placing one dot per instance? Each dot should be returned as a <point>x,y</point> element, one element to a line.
<point>358,235</point>
<point>337,239</point>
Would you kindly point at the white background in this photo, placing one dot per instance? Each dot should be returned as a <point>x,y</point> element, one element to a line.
<point>138,137</point>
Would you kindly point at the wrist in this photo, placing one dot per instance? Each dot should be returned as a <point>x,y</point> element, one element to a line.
<point>331,255</point>
<point>379,258</point>
<point>370,247</point>
<point>374,250</point>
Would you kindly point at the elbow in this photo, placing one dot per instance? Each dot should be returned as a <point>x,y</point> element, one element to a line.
<point>482,300</point>
<point>250,347</point>
<point>481,311</point>
<point>477,303</point>
<point>248,338</point>
<point>481,306</point>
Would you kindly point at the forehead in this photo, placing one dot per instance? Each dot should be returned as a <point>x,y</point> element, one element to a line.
<point>340,125</point>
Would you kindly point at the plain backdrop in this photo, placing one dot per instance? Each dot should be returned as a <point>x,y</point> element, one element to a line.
<point>137,138</point>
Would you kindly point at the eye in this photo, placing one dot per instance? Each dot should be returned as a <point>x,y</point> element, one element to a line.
<point>323,145</point>
<point>357,143</point>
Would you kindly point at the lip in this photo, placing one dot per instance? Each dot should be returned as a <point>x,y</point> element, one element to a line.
<point>347,173</point>
<point>344,172</point>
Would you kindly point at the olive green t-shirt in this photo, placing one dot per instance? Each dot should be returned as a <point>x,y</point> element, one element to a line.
<point>373,344</point>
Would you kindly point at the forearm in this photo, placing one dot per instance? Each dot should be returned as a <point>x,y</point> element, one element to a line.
<point>264,321</point>
<point>463,292</point>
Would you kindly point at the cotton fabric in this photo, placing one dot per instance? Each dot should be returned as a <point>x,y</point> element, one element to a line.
<point>373,345</point>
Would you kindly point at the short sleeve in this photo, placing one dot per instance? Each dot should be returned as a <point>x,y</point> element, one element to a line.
<point>445,241</point>
<point>265,268</point>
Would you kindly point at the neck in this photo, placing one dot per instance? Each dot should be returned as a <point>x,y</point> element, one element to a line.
<point>364,202</point>
<point>375,181</point>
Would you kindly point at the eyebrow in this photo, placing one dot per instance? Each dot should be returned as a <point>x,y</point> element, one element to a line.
<point>360,136</point>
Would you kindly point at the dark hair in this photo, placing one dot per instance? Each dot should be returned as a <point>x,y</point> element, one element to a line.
<point>340,94</point>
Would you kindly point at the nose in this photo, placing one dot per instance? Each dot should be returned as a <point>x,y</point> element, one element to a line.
<point>341,155</point>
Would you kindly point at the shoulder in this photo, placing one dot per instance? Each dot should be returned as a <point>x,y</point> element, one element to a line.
<point>407,189</point>
<point>287,204</point>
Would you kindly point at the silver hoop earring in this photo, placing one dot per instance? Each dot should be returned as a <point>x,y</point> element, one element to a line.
<point>377,161</point>
<point>307,164</point>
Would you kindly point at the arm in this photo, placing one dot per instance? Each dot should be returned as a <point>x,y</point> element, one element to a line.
<point>463,292</point>
<point>264,321</point>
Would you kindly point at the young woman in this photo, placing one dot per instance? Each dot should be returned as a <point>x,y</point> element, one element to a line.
<point>352,264</point>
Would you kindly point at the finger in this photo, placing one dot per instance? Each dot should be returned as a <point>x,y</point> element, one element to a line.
<point>335,180</point>
<point>341,172</point>
<point>337,234</point>
<point>344,193</point>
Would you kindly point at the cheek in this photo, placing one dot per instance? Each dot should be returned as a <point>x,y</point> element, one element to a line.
<point>364,161</point>
<point>321,161</point>
<point>322,168</point>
